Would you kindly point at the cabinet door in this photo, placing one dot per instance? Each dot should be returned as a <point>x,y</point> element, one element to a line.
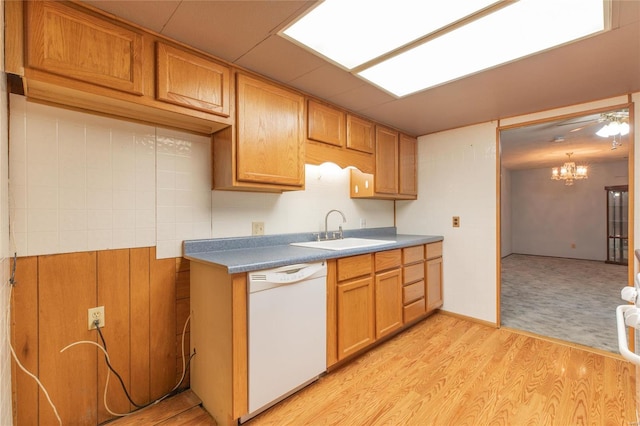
<point>270,139</point>
<point>407,152</point>
<point>434,284</point>
<point>388,295</point>
<point>386,176</point>
<point>72,44</point>
<point>355,316</point>
<point>360,134</point>
<point>192,81</point>
<point>325,124</point>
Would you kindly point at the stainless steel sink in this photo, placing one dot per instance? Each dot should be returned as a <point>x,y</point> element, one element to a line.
<point>343,244</point>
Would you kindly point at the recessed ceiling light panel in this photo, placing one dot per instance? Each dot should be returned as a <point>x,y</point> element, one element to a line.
<point>405,46</point>
<point>513,32</point>
<point>353,32</point>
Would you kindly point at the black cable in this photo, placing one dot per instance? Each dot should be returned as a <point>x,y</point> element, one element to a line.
<point>124,388</point>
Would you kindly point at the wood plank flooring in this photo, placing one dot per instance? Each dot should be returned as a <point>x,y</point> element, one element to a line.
<point>449,371</point>
<point>181,410</point>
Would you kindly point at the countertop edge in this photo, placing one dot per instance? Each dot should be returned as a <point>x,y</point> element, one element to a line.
<point>240,260</point>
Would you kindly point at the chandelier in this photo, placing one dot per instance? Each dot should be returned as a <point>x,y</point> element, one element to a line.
<point>569,171</point>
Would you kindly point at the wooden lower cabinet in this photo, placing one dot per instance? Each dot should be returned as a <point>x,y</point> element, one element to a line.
<point>378,295</point>
<point>355,316</point>
<point>434,284</point>
<point>388,295</point>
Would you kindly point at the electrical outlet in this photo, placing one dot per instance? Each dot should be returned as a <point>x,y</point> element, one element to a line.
<point>257,228</point>
<point>95,314</point>
<point>456,221</point>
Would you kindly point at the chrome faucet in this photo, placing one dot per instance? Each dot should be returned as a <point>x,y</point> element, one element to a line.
<point>326,231</point>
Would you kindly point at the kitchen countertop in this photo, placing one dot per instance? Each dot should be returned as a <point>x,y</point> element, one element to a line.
<point>246,254</point>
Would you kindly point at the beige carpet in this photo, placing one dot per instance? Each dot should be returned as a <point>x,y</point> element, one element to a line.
<point>568,299</point>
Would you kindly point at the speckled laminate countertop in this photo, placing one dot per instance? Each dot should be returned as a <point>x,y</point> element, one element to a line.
<point>245,254</point>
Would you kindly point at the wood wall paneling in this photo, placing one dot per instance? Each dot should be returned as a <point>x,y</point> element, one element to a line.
<point>113,294</point>
<point>162,324</point>
<point>146,302</point>
<point>139,325</point>
<point>66,289</point>
<point>24,336</point>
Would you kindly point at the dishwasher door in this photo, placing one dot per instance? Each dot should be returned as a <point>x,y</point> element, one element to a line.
<point>287,332</point>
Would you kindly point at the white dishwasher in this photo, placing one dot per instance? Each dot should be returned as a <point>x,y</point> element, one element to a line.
<point>287,332</point>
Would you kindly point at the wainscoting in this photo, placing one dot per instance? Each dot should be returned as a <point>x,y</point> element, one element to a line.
<point>146,305</point>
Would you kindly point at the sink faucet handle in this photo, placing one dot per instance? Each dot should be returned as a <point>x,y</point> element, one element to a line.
<point>341,235</point>
<point>316,236</point>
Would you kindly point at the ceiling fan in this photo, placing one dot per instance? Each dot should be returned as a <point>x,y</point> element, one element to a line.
<point>621,116</point>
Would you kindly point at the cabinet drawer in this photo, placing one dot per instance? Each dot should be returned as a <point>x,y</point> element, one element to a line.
<point>413,291</point>
<point>412,254</point>
<point>434,250</point>
<point>414,310</point>
<point>387,259</point>
<point>354,266</point>
<point>413,273</point>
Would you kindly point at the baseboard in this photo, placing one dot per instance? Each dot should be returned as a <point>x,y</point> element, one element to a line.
<point>470,319</point>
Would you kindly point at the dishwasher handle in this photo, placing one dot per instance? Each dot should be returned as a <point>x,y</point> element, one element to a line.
<point>290,274</point>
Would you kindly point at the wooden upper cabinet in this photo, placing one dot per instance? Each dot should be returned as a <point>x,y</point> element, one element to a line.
<point>360,134</point>
<point>325,124</point>
<point>270,133</point>
<point>64,41</point>
<point>386,175</point>
<point>192,81</point>
<point>407,157</point>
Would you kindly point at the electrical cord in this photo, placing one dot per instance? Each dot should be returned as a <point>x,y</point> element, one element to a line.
<point>185,367</point>
<point>106,358</point>
<point>106,383</point>
<point>19,364</point>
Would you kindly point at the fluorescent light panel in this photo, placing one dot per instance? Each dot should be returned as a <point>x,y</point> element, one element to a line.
<point>512,32</point>
<point>353,32</point>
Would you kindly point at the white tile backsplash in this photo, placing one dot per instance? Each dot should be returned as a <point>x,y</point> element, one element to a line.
<point>83,182</point>
<point>182,179</point>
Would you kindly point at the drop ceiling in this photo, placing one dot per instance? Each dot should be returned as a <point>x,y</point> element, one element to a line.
<point>245,33</point>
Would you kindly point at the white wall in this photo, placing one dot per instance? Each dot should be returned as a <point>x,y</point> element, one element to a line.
<point>457,177</point>
<point>327,187</point>
<point>548,216</point>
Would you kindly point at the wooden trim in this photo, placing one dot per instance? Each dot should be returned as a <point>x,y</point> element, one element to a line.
<point>631,213</point>
<point>564,116</point>
<point>239,343</point>
<point>471,319</point>
<point>332,306</point>
<point>498,225</point>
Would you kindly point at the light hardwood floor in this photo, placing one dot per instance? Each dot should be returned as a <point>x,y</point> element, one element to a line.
<point>449,371</point>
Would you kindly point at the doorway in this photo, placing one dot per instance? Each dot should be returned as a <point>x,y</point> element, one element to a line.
<point>554,280</point>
